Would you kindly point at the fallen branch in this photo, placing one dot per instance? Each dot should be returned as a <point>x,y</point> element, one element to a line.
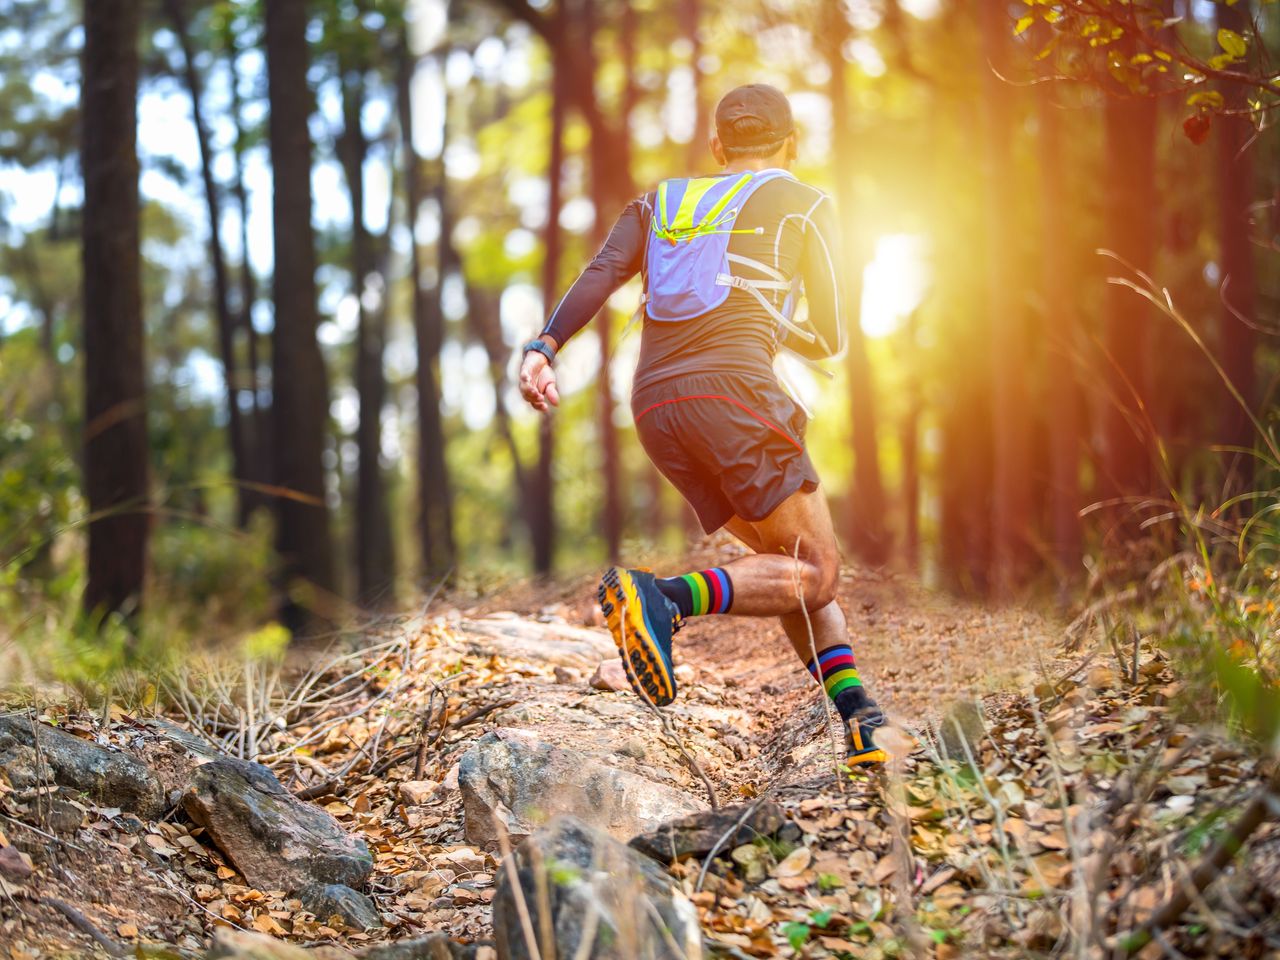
<point>84,925</point>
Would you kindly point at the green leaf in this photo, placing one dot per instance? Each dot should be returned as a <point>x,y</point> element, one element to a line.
<point>938,936</point>
<point>797,934</point>
<point>1232,42</point>
<point>820,918</point>
<point>1206,98</point>
<point>1022,25</point>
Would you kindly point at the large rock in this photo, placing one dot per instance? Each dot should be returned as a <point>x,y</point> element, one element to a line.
<point>107,776</point>
<point>557,644</point>
<point>600,900</point>
<point>434,946</point>
<point>277,841</point>
<point>521,781</point>
<point>699,833</point>
<point>328,900</point>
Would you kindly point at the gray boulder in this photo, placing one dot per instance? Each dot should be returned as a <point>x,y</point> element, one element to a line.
<point>435,946</point>
<point>327,900</point>
<point>518,781</point>
<point>600,900</point>
<point>108,777</point>
<point>557,644</point>
<point>276,840</point>
<point>699,833</point>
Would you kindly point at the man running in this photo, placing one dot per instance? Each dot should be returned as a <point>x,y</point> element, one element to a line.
<point>720,257</point>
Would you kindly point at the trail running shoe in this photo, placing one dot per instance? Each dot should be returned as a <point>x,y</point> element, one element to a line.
<point>859,745</point>
<point>642,621</point>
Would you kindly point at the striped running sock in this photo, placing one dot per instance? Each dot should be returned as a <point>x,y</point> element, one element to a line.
<point>841,680</point>
<point>696,594</point>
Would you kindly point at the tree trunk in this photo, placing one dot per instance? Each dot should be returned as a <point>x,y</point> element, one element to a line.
<point>299,409</point>
<point>259,435</point>
<point>240,453</point>
<point>375,566</point>
<point>1238,340</point>
<point>115,425</point>
<point>542,526</point>
<point>1011,427</point>
<point>910,441</point>
<point>867,534</point>
<point>1131,202</point>
<point>1060,322</point>
<point>435,511</point>
<point>690,13</point>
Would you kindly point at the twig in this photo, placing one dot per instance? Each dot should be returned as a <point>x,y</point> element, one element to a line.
<point>517,889</point>
<point>798,585</point>
<point>724,837</point>
<point>317,790</point>
<point>1228,845</point>
<point>84,925</point>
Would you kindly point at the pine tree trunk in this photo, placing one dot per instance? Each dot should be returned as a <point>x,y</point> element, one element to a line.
<point>690,13</point>
<point>1130,127</point>
<point>240,453</point>
<point>300,392</point>
<point>1011,428</point>
<point>1238,340</point>
<point>435,514</point>
<point>375,566</point>
<point>116,475</point>
<point>542,527</point>
<point>867,533</point>
<point>1062,393</point>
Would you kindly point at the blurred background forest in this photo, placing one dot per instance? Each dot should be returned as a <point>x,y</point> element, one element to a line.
<point>265,267</point>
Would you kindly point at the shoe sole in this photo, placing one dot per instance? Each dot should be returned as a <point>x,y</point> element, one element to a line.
<point>867,759</point>
<point>641,658</point>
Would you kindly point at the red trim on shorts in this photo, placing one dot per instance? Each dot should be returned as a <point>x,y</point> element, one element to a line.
<point>737,403</point>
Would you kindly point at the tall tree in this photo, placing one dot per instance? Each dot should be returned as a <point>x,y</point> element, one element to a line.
<point>1129,230</point>
<point>1238,337</point>
<point>690,14</point>
<point>435,501</point>
<point>116,476</point>
<point>241,441</point>
<point>1011,427</point>
<point>300,394</point>
<point>542,490</point>
<point>375,564</point>
<point>1062,397</point>
<point>866,532</point>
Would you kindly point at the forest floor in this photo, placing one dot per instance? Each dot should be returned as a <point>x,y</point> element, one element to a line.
<point>1062,810</point>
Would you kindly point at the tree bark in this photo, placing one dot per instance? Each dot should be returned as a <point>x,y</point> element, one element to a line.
<point>435,511</point>
<point>241,470</point>
<point>1060,319</point>
<point>1238,340</point>
<point>1011,427</point>
<point>300,392</point>
<point>542,528</point>
<point>866,532</point>
<point>375,566</point>
<point>1130,129</point>
<point>116,475</point>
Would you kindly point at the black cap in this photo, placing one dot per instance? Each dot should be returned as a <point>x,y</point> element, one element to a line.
<point>753,116</point>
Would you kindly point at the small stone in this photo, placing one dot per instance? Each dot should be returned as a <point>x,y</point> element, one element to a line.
<point>634,748</point>
<point>962,727</point>
<point>416,792</point>
<point>751,859</point>
<point>566,676</point>
<point>327,900</point>
<point>610,675</point>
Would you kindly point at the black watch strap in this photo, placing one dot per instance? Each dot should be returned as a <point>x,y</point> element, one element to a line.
<point>542,347</point>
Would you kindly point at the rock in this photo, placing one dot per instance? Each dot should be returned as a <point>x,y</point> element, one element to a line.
<point>634,748</point>
<point>326,900</point>
<point>109,777</point>
<point>230,944</point>
<point>609,675</point>
<point>752,861</point>
<point>14,864</point>
<point>63,817</point>
<point>520,780</point>
<point>566,676</point>
<point>415,792</point>
<point>697,834</point>
<point>604,900</point>
<point>275,840</point>
<point>962,725</point>
<point>556,644</point>
<point>435,946</point>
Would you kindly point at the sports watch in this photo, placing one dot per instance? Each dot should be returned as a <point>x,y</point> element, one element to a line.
<point>542,347</point>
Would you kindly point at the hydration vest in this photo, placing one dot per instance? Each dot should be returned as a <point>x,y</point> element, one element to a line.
<point>689,270</point>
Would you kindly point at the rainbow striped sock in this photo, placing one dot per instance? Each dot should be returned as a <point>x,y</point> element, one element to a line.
<point>697,594</point>
<point>839,674</point>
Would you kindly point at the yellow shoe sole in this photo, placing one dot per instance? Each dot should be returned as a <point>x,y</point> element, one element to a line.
<point>641,658</point>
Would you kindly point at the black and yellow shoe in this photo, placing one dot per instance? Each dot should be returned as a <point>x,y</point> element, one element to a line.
<point>859,742</point>
<point>642,621</point>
